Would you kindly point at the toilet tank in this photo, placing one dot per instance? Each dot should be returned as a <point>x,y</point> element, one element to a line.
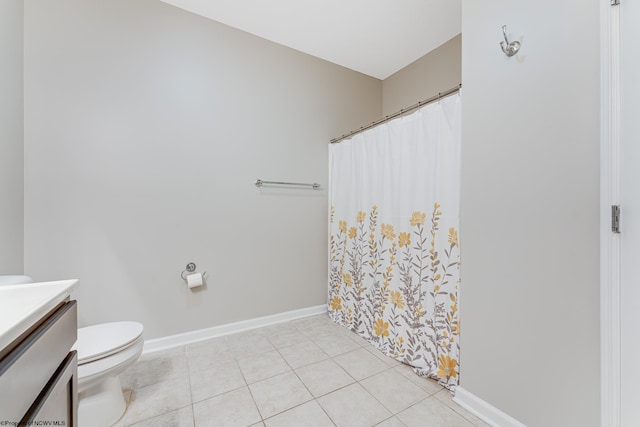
<point>14,280</point>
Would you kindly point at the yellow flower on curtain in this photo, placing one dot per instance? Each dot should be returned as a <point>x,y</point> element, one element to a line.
<point>404,239</point>
<point>436,209</point>
<point>396,299</point>
<point>336,303</point>
<point>418,218</point>
<point>347,279</point>
<point>453,236</point>
<point>353,232</point>
<point>387,231</point>
<point>447,367</point>
<point>342,226</point>
<point>455,329</point>
<point>381,327</point>
<point>361,216</point>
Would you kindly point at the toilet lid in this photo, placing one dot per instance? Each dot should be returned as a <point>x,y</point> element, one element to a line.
<point>98,341</point>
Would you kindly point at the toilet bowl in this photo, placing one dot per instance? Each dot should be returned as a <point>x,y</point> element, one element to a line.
<point>104,352</point>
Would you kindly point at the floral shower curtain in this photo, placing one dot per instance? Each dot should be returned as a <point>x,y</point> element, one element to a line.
<point>394,252</point>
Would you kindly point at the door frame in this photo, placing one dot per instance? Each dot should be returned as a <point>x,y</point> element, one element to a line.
<point>610,339</point>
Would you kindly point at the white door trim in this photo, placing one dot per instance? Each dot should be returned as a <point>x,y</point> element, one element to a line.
<point>609,195</point>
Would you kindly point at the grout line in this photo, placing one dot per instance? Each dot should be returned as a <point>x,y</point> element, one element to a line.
<point>255,404</point>
<point>151,417</point>
<point>392,416</point>
<point>186,358</point>
<point>246,384</point>
<point>218,395</point>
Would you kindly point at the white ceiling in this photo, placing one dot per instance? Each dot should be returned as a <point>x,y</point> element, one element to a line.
<point>374,37</point>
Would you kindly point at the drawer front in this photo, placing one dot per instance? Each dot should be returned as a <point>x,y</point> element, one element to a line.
<point>57,405</point>
<point>25,371</point>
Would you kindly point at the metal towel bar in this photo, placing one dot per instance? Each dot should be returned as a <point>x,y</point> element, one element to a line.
<point>260,183</point>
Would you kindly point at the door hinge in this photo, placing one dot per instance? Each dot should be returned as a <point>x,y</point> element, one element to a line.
<point>615,218</point>
<point>615,2</point>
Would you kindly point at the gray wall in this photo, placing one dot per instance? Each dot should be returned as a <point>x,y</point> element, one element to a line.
<point>529,205</point>
<point>145,128</point>
<point>435,72</point>
<point>11,137</point>
<point>529,216</point>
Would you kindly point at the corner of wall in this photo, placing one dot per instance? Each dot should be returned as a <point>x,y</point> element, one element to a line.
<point>483,410</point>
<point>11,137</point>
<point>435,72</point>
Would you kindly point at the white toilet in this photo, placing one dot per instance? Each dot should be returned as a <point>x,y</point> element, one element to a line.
<point>104,352</point>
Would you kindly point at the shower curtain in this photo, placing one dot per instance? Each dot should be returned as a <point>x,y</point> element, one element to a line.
<point>394,253</point>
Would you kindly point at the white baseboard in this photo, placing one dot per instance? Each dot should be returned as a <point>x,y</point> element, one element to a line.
<point>171,341</point>
<point>483,410</point>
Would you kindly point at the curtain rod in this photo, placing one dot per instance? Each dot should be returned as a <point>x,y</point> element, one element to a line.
<point>399,113</point>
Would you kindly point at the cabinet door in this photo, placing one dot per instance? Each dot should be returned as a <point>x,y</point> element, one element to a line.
<point>57,405</point>
<point>27,369</point>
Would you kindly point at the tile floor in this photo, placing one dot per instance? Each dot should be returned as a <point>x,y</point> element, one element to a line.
<point>302,373</point>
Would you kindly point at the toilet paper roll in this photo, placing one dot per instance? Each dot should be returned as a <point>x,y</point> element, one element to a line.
<point>194,280</point>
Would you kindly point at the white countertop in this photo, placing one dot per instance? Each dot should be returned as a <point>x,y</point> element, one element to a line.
<point>23,305</point>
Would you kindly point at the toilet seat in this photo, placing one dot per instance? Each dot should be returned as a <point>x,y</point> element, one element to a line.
<point>90,373</point>
<point>101,341</point>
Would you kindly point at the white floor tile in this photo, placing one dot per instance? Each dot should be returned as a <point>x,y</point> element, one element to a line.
<point>263,366</point>
<point>335,344</point>
<point>324,377</point>
<point>429,385</point>
<point>158,369</point>
<point>157,399</point>
<point>309,414</point>
<point>393,390</point>
<point>278,328</point>
<point>353,406</point>
<point>302,354</point>
<point>380,355</point>
<point>317,326</point>
<point>215,380</point>
<point>357,339</point>
<point>249,343</point>
<point>178,418</point>
<point>208,354</point>
<point>360,364</point>
<point>235,408</point>
<point>432,413</point>
<point>287,337</point>
<point>279,393</point>
<point>391,422</point>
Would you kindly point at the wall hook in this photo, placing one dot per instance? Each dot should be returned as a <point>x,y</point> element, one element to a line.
<point>509,48</point>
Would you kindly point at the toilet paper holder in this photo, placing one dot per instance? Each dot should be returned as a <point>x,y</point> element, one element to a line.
<point>190,268</point>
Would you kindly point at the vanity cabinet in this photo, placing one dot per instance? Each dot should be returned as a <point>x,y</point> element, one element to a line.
<point>38,372</point>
